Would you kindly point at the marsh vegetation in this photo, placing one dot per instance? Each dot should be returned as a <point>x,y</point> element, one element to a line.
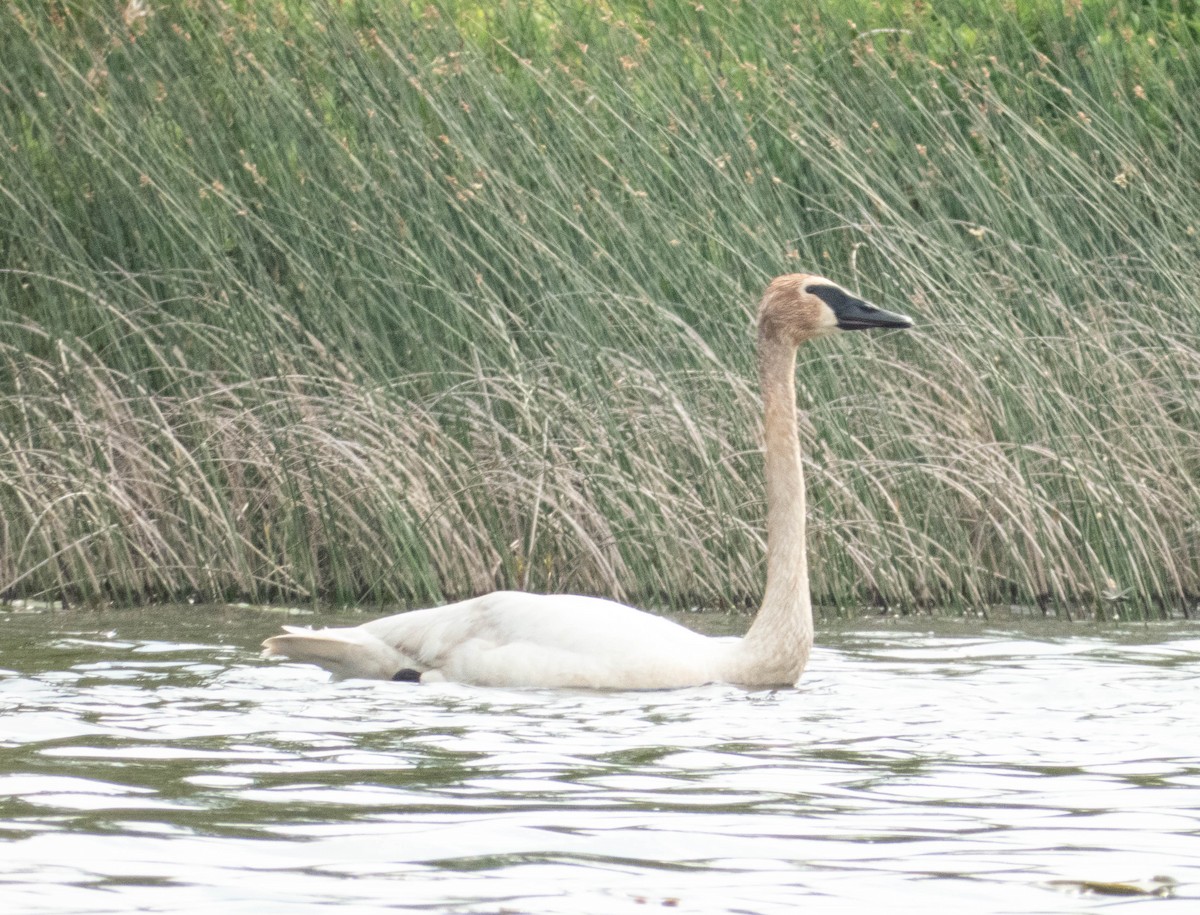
<point>377,302</point>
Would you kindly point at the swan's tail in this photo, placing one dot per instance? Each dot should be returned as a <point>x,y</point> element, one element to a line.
<point>345,653</point>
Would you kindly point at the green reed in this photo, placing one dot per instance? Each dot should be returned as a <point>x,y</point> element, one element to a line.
<point>376,302</point>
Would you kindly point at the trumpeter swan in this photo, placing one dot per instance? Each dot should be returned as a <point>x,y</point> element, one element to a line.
<point>516,639</point>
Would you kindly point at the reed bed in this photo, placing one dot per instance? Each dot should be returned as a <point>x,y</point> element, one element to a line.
<point>370,302</point>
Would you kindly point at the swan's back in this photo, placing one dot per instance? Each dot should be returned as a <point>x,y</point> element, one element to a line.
<point>511,638</point>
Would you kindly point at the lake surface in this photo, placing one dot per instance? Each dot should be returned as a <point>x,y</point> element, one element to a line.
<point>150,761</point>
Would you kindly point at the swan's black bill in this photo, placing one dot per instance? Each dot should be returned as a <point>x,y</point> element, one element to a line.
<point>855,314</point>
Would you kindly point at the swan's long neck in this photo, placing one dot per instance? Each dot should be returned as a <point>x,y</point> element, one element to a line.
<point>777,646</point>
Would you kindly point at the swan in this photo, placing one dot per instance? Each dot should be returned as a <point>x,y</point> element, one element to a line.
<point>515,639</point>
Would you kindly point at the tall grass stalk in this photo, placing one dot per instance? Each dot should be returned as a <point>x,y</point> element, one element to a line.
<point>367,302</point>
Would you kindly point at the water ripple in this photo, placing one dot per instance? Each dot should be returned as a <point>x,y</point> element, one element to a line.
<point>150,763</point>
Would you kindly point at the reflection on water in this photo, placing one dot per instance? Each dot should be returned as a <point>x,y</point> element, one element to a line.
<point>151,761</point>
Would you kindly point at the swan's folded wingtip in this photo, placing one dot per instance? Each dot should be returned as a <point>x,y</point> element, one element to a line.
<point>269,650</point>
<point>345,653</point>
<point>272,647</point>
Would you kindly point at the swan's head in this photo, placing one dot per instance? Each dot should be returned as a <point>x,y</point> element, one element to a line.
<point>801,306</point>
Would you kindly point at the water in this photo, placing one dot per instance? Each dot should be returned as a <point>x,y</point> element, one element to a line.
<point>149,761</point>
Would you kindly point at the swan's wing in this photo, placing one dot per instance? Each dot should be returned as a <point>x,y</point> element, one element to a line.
<point>511,638</point>
<point>345,653</point>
